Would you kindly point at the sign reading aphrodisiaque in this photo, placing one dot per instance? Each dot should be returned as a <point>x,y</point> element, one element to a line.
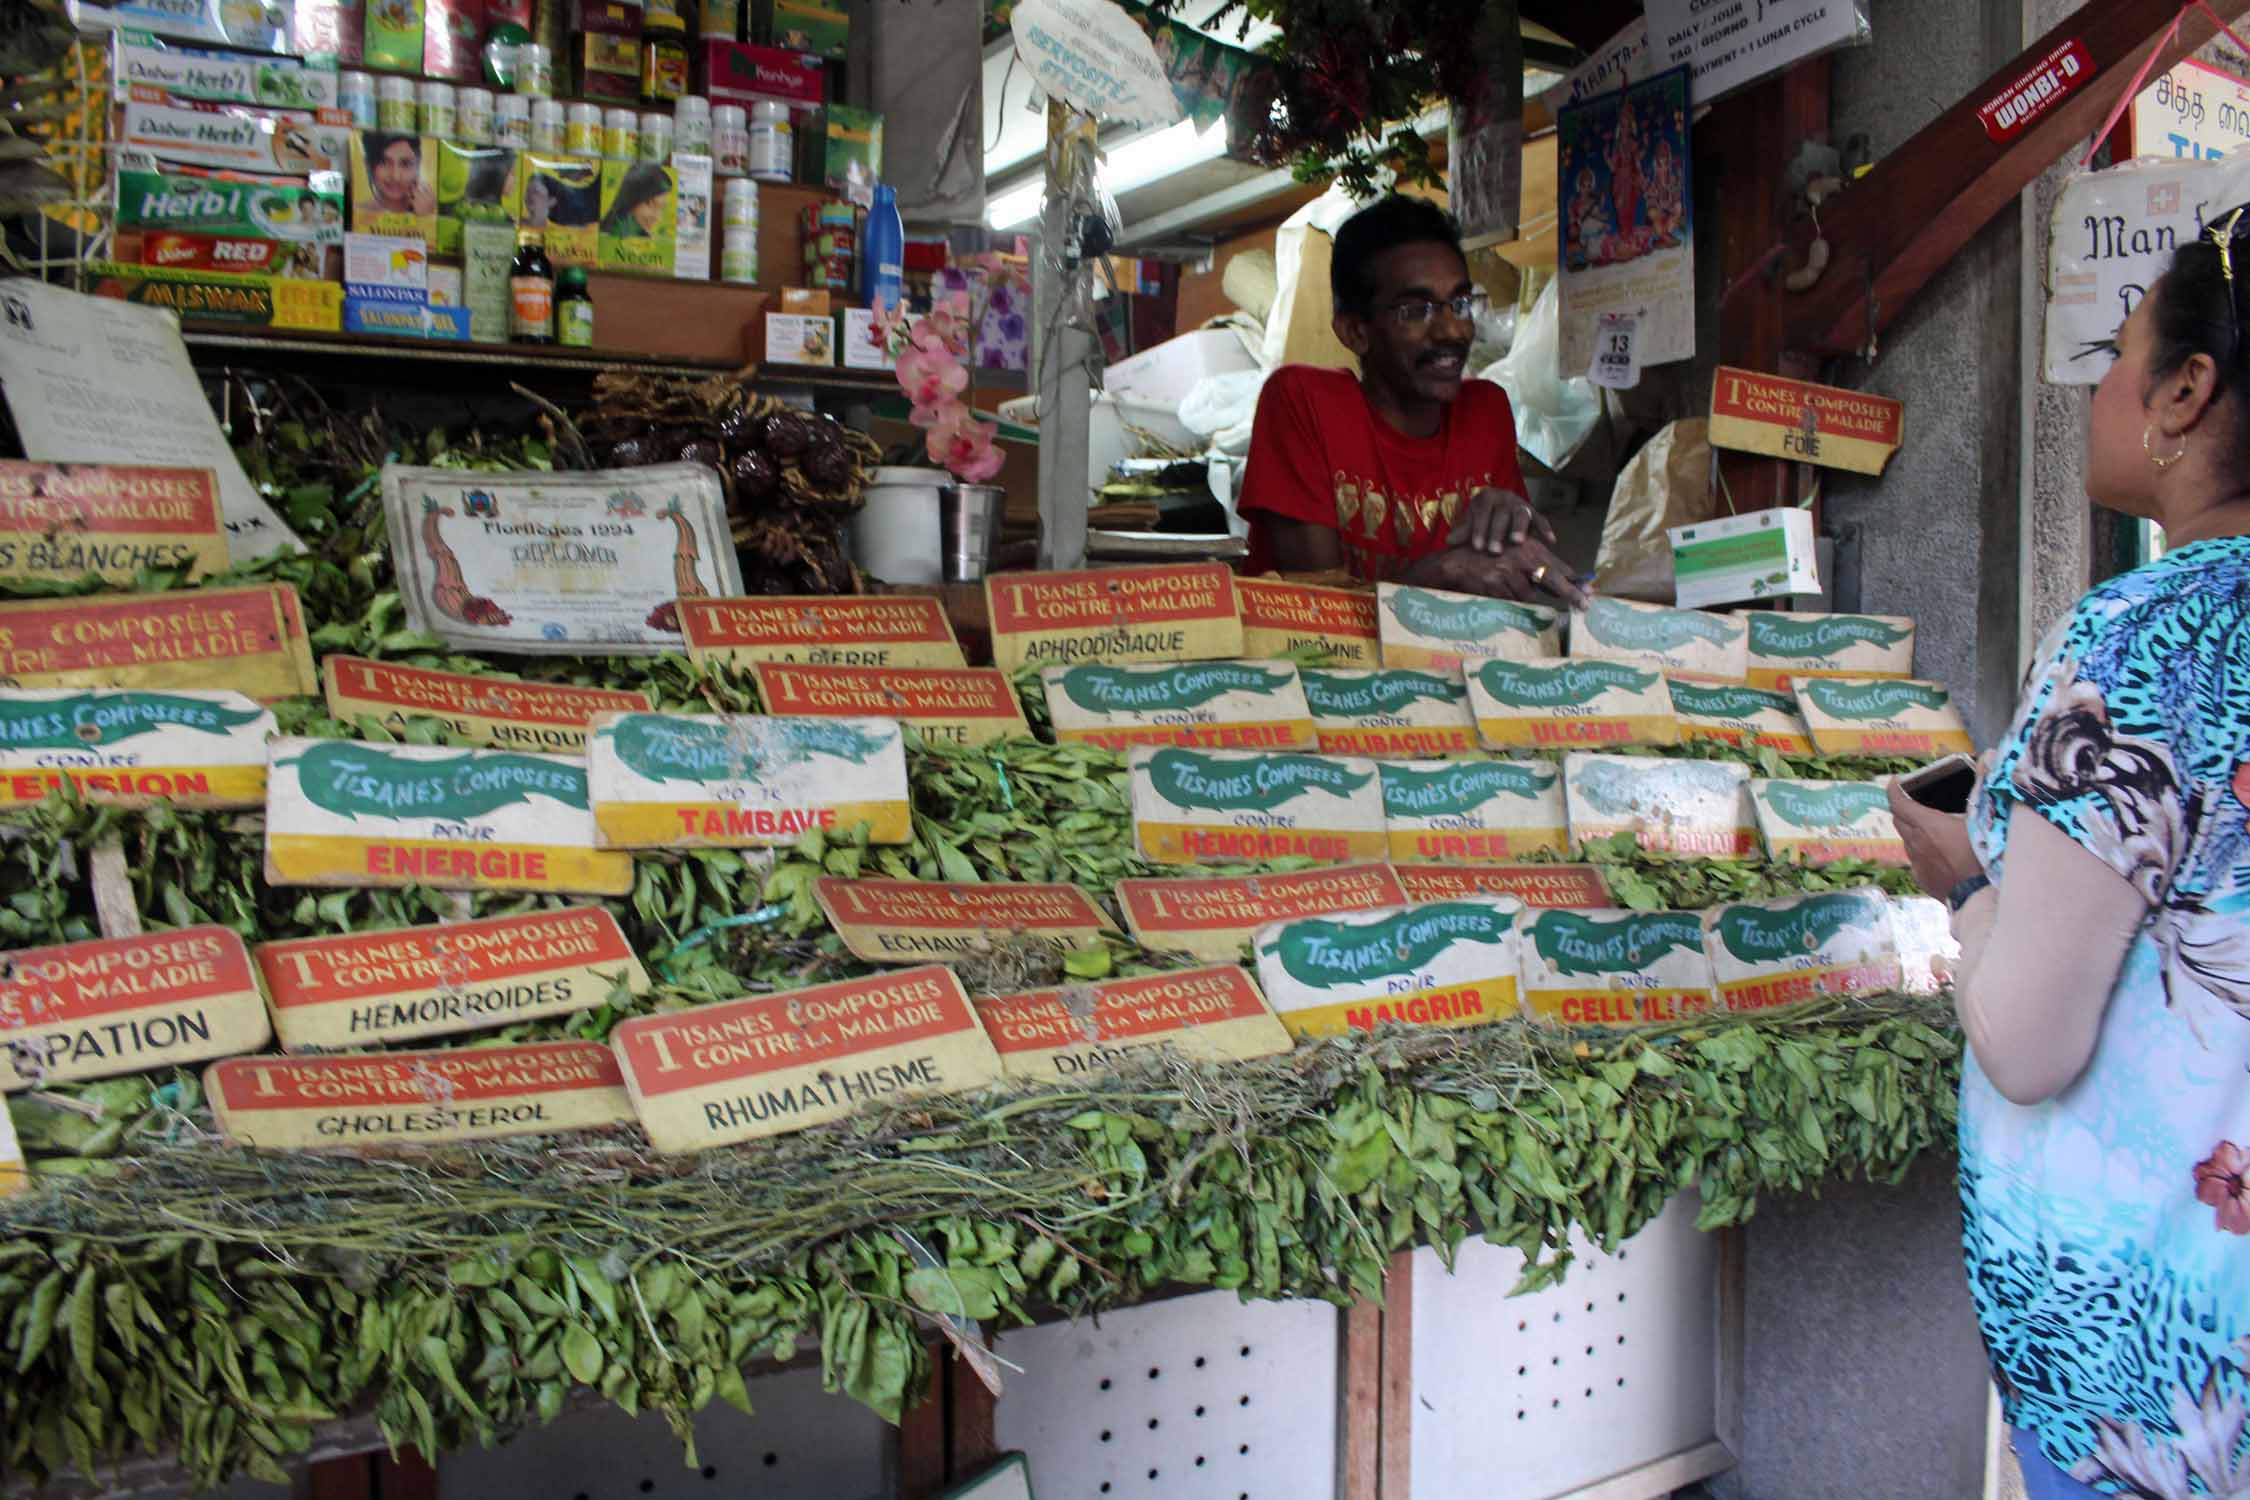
<point>1690,643</point>
<point>1214,918</point>
<point>1434,629</point>
<point>1182,613</point>
<point>1533,885</point>
<point>1691,809</point>
<point>385,1100</point>
<point>1399,712</point>
<point>188,749</point>
<point>1214,1015</point>
<point>1211,705</point>
<point>1822,822</point>
<point>1768,953</point>
<point>245,640</point>
<point>1866,716</point>
<point>1279,619</point>
<point>1614,968</point>
<point>126,1005</point>
<point>1569,704</point>
<point>966,706</point>
<point>502,712</point>
<point>741,780</point>
<point>781,1063</point>
<point>59,522</point>
<point>891,630</point>
<point>1197,806</point>
<point>1447,963</point>
<point>1473,809</point>
<point>916,921</point>
<point>1747,718</point>
<point>1786,647</point>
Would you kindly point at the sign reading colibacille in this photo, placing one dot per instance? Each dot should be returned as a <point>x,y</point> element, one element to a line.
<point>1181,613</point>
<point>342,813</point>
<point>1446,963</point>
<point>1768,953</point>
<point>1882,716</point>
<point>126,1005</point>
<point>1279,619</point>
<point>1695,809</point>
<point>1473,809</point>
<point>59,522</point>
<point>505,713</point>
<point>740,780</point>
<point>1214,918</point>
<point>1211,705</point>
<point>1787,647</point>
<point>1533,885</point>
<point>917,921</point>
<point>1213,1014</point>
<point>1614,968</point>
<point>388,1100</point>
<point>1822,822</point>
<point>188,749</point>
<point>1690,643</point>
<point>892,630</point>
<point>1193,806</point>
<point>786,1062</point>
<point>1523,705</point>
<point>1745,717</point>
<point>248,640</point>
<point>1433,628</point>
<point>1398,712</point>
<point>966,706</point>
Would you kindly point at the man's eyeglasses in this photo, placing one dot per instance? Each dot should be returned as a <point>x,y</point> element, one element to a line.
<point>1419,312</point>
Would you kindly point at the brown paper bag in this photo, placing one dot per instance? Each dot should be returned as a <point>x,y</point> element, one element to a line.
<point>1667,484</point>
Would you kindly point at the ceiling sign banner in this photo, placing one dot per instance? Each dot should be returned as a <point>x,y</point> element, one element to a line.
<point>1730,44</point>
<point>1093,55</point>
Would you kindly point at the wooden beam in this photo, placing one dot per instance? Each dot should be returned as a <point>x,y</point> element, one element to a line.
<point>1396,1479</point>
<point>920,1444</point>
<point>1359,1403</point>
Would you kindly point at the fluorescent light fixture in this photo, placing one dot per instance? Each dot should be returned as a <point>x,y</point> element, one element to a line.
<point>1016,206</point>
<point>1135,164</point>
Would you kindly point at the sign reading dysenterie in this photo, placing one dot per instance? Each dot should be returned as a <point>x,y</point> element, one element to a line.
<point>1812,424</point>
<point>1183,613</point>
<point>742,780</point>
<point>1696,809</point>
<point>1691,643</point>
<point>1212,705</point>
<point>1280,618</point>
<point>190,749</point>
<point>343,813</point>
<point>1213,1014</point>
<point>1821,822</point>
<point>505,713</point>
<point>1214,918</point>
<point>1196,806</point>
<point>1398,712</point>
<point>1448,963</point>
<point>1533,885</point>
<point>916,921</point>
<point>1768,953</point>
<point>392,1099</point>
<point>1473,809</point>
<point>1886,716</point>
<point>1433,628</point>
<point>1614,968</point>
<point>1546,705</point>
<point>780,1063</point>
<point>966,706</point>
<point>1785,647</point>
<point>126,1005</point>
<point>820,631</point>
<point>251,640</point>
<point>365,988</point>
<point>59,522</point>
<point>1747,718</point>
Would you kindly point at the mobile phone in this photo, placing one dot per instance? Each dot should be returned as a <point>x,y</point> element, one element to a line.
<point>1942,786</point>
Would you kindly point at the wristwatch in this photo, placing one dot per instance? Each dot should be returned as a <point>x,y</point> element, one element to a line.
<point>1959,896</point>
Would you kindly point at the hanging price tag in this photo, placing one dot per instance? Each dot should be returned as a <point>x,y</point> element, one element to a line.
<point>1617,352</point>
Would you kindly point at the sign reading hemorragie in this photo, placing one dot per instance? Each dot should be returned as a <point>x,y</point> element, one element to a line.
<point>59,522</point>
<point>920,921</point>
<point>505,713</point>
<point>892,630</point>
<point>1200,806</point>
<point>1821,822</point>
<point>1211,705</point>
<point>386,1100</point>
<point>1614,968</point>
<point>1768,953</point>
<point>1186,612</point>
<point>1690,809</point>
<point>1748,718</point>
<point>1214,918</point>
<point>1430,628</point>
<point>1447,963</point>
<point>1473,809</point>
<point>1279,618</point>
<point>966,706</point>
<point>1533,885</point>
<point>1690,643</point>
<point>1804,422</point>
<point>189,749</point>
<point>343,813</point>
<point>1882,716</point>
<point>1548,705</point>
<point>781,1063</point>
<point>1214,1015</point>
<point>362,989</point>
<point>1390,713</point>
<point>743,780</point>
<point>1787,647</point>
<point>249,640</point>
<point>126,1005</point>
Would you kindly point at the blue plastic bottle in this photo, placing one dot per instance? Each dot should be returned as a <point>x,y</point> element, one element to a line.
<point>883,251</point>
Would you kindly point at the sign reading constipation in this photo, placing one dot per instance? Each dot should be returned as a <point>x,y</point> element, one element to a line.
<point>78,1011</point>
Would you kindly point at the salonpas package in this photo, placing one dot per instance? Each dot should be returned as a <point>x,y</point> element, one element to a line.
<point>1219,705</point>
<point>1473,809</point>
<point>1882,716</point>
<point>1614,968</point>
<point>1768,953</point>
<point>1399,712</point>
<point>1446,963</point>
<point>1434,628</point>
<point>1744,717</point>
<point>1822,822</point>
<point>1198,806</point>
<point>1785,647</point>
<point>1696,809</point>
<point>1569,704</point>
<point>1688,643</point>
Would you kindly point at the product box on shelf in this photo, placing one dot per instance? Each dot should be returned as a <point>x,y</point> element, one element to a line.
<point>862,349</point>
<point>250,28</point>
<point>561,195</point>
<point>487,250</point>
<point>804,26</point>
<point>394,184</point>
<point>393,42</point>
<point>406,320</point>
<point>200,218</point>
<point>145,61</point>
<point>331,31</point>
<point>236,137</point>
<point>640,218</point>
<point>473,182</point>
<point>453,40</point>
<point>851,147</point>
<point>220,297</point>
<point>609,68</point>
<point>794,339</point>
<point>691,242</point>
<point>737,73</point>
<point>386,268</point>
<point>606,17</point>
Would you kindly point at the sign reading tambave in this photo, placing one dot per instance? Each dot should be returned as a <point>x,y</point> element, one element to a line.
<point>822,631</point>
<point>1812,424</point>
<point>1768,953</point>
<point>1399,712</point>
<point>1745,717</point>
<point>248,640</point>
<point>126,1005</point>
<point>1533,885</point>
<point>1888,716</point>
<point>1530,705</point>
<point>1279,618</point>
<point>1186,612</point>
<point>1213,918</point>
<point>1698,809</point>
<point>1786,647</point>
<point>1212,705</point>
<point>1691,643</point>
<point>387,1100</point>
<point>965,706</point>
<point>188,749</point>
<point>1614,968</point>
<point>918,921</point>
<point>1194,806</point>
<point>1821,822</point>
<point>1431,628</point>
<point>502,712</point>
<point>1447,963</point>
<point>1473,809</point>
<point>1214,1014</point>
<point>741,780</point>
<point>59,522</point>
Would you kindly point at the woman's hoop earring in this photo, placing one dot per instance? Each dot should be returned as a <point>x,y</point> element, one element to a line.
<point>2148,446</point>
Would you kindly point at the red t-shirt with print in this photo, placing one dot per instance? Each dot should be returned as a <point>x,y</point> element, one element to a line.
<point>1319,453</point>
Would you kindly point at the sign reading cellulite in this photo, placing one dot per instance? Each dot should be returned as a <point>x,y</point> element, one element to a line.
<point>126,1005</point>
<point>1214,918</point>
<point>740,780</point>
<point>1813,424</point>
<point>821,631</point>
<point>1614,968</point>
<point>249,640</point>
<point>1447,963</point>
<point>1195,806</point>
<point>1213,1014</point>
<point>391,1099</point>
<point>59,522</point>
<point>502,712</point>
<point>188,749</point>
<point>917,921</point>
<point>1181,613</point>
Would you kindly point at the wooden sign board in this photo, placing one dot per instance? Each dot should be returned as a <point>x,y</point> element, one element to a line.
<point>1284,619</point>
<point>505,713</point>
<point>347,814</point>
<point>1689,809</point>
<point>133,748</point>
<point>741,780</point>
<point>60,522</point>
<point>1431,628</point>
<point>1533,885</point>
<point>821,630</point>
<point>1395,712</point>
<point>1769,953</point>
<point>781,1063</point>
<point>247,640</point>
<point>1215,705</point>
<point>1185,612</point>
<point>1198,806</point>
<point>1785,647</point>
<point>1614,968</point>
<point>126,1005</point>
<point>1446,963</point>
<point>1882,716</point>
<point>1745,717</point>
<point>1474,809</point>
<point>965,706</point>
<point>388,1100</point>
<point>1214,1014</point>
<point>1569,704</point>
<point>1691,643</point>
<point>1215,918</point>
<point>922,921</point>
<point>365,989</point>
<point>1821,822</point>
<point>1804,422</point>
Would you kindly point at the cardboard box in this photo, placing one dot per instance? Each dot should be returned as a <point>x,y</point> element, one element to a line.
<point>473,182</point>
<point>487,250</point>
<point>394,184</point>
<point>861,352</point>
<point>410,320</point>
<point>445,287</point>
<point>393,41</point>
<point>691,241</point>
<point>851,162</point>
<point>1764,554</point>
<point>640,218</point>
<point>386,268</point>
<point>804,300</point>
<point>793,339</point>
<point>144,61</point>
<point>334,29</point>
<point>453,40</point>
<point>213,297</point>
<point>606,17</point>
<point>618,56</point>
<point>804,26</point>
<point>737,73</point>
<point>561,195</point>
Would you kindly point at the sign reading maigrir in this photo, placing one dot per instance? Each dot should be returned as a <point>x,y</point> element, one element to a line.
<point>1213,1014</point>
<point>740,780</point>
<point>966,706</point>
<point>1822,822</point>
<point>342,813</point>
<point>246,640</point>
<point>1447,963</point>
<point>1565,704</point>
<point>1473,809</point>
<point>1745,717</point>
<point>1185,612</point>
<point>505,713</point>
<point>1211,705</point>
<point>1614,968</point>
<point>1882,716</point>
<point>1195,806</point>
<point>126,1005</point>
<point>1280,618</point>
<point>1691,643</point>
<point>1533,885</point>
<point>1768,953</point>
<point>1788,647</point>
<point>1213,918</point>
<point>388,1100</point>
<point>1399,712</point>
<point>133,749</point>
<point>59,522</point>
<point>1696,809</point>
<point>892,630</point>
<point>1431,628</point>
<point>921,921</point>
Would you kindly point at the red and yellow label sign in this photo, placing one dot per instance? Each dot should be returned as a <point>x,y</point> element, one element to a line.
<point>887,630</point>
<point>503,712</point>
<point>249,639</point>
<point>1796,419</point>
<point>1187,612</point>
<point>1280,618</point>
<point>392,1099</point>
<point>965,706</point>
<point>1533,885</point>
<point>917,921</point>
<point>1213,1014</point>
<point>59,522</point>
<point>1215,918</point>
<point>126,1005</point>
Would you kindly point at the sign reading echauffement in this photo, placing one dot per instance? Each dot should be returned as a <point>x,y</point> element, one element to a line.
<point>1185,612</point>
<point>1533,885</point>
<point>901,630</point>
<point>1390,713</point>
<point>1690,643</point>
<point>786,1062</point>
<point>59,522</point>
<point>966,706</point>
<point>1547,705</point>
<point>1614,968</point>
<point>1697,809</point>
<point>505,713</point>
<point>741,780</point>
<point>1747,718</point>
<point>388,1100</point>
<point>1199,806</point>
<point>126,1005</point>
<point>558,564</point>
<point>1788,647</point>
<point>1473,809</point>
<point>1821,822</point>
<point>1214,918</point>
<point>1280,618</point>
<point>342,813</point>
<point>1768,953</point>
<point>365,988</point>
<point>1887,716</point>
<point>918,921</point>
<point>1434,628</point>
<point>248,640</point>
<point>1211,705</point>
<point>1448,963</point>
<point>1214,1015</point>
<point>188,749</point>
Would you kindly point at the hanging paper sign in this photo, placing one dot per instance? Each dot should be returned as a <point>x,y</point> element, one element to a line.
<point>782,1063</point>
<point>1448,963</point>
<point>1747,718</point>
<point>903,630</point>
<point>1623,59</point>
<point>966,706</point>
<point>2193,111</point>
<point>248,640</point>
<point>1730,44</point>
<point>1211,1015</point>
<point>505,713</point>
<point>1822,822</point>
<point>59,522</point>
<point>743,781</point>
<point>383,1101</point>
<point>126,1005</point>
<point>1617,351</point>
<point>2112,235</point>
<point>1533,885</point>
<point>133,749</point>
<point>1812,424</point>
<point>1433,628</point>
<point>558,564</point>
<point>1626,200</point>
<point>1928,953</point>
<point>1769,953</point>
<point>1614,968</point>
<point>1690,643</point>
<point>1864,716</point>
<point>1473,809</point>
<point>1548,705</point>
<point>2046,83</point>
<point>365,989</point>
<point>1692,809</point>
<point>1194,806</point>
<point>1785,647</point>
<point>918,921</point>
<point>1281,619</point>
<point>1218,705</point>
<point>1094,55</point>
<point>1215,918</point>
<point>1389,713</point>
<point>1183,613</point>
<point>342,813</point>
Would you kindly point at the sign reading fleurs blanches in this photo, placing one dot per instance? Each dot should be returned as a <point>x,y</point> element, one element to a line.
<point>187,749</point>
<point>1430,628</point>
<point>1474,809</point>
<point>1194,806</point>
<point>1448,963</point>
<point>1212,705</point>
<point>682,780</point>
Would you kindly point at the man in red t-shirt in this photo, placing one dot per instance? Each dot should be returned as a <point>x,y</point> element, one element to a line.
<point>1407,473</point>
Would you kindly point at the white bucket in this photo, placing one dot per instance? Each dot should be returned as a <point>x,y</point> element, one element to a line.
<point>895,534</point>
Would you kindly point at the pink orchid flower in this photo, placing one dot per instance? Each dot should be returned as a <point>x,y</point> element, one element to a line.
<point>965,446</point>
<point>930,379</point>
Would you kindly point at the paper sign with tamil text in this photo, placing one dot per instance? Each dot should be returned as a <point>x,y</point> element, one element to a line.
<point>248,640</point>
<point>1804,422</point>
<point>1280,618</point>
<point>1213,1015</point>
<point>1822,822</point>
<point>1549,705</point>
<point>1786,647</point>
<point>1614,968</point>
<point>1430,628</point>
<point>1690,643</point>
<point>1446,963</point>
<point>77,1011</point>
<point>1391,713</point>
<point>1214,918</point>
<point>1533,885</point>
<point>1882,716</point>
<point>1186,612</point>
<point>1691,809</point>
<point>59,522</point>
<point>133,749</point>
<point>965,706</point>
<point>1768,953</point>
<point>920,921</point>
<point>386,1100</point>
<point>743,780</point>
<point>1473,809</point>
<point>504,713</point>
<point>1747,718</point>
<point>1201,806</point>
<point>1211,705</point>
<point>897,630</point>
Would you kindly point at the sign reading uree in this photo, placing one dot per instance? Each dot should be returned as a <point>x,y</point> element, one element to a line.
<point>1432,628</point>
<point>1214,1015</point>
<point>1533,885</point>
<point>1212,705</point>
<point>1473,809</point>
<point>822,631</point>
<point>1279,619</point>
<point>59,522</point>
<point>966,706</point>
<point>1822,822</point>
<point>126,1005</point>
<point>920,921</point>
<point>1398,712</point>
<point>502,712</point>
<point>392,1099</point>
<point>1691,643</point>
<point>248,640</point>
<point>741,780</point>
<point>1182,613</point>
<point>1861,716</point>
<point>1449,963</point>
<point>1545,705</point>
<point>1614,968</point>
<point>1768,953</point>
<point>1214,918</point>
<point>1192,806</point>
<point>133,749</point>
<point>1695,809</point>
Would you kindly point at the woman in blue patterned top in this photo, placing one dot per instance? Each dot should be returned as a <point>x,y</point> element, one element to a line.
<point>2101,886</point>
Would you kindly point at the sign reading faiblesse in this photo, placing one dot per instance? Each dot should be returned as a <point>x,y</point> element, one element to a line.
<point>1812,424</point>
<point>59,522</point>
<point>1691,643</point>
<point>1213,1014</point>
<point>1210,705</point>
<point>1473,809</point>
<point>918,921</point>
<point>1888,716</point>
<point>502,712</point>
<point>249,640</point>
<point>1822,822</point>
<point>1447,963</point>
<point>1692,809</point>
<point>1389,713</point>
<point>126,1005</point>
<point>1746,718</point>
<point>1182,613</point>
<point>1431,628</point>
<point>1214,918</point>
<point>1281,618</point>
<point>1786,647</point>
<point>965,706</point>
<point>1614,968</point>
<point>133,749</point>
<point>387,1100</point>
<point>1548,705</point>
<point>741,780</point>
<point>1533,885</point>
<point>1199,806</point>
<point>1768,953</point>
<point>822,631</point>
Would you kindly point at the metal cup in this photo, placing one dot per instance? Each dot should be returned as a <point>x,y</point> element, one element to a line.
<point>969,517</point>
